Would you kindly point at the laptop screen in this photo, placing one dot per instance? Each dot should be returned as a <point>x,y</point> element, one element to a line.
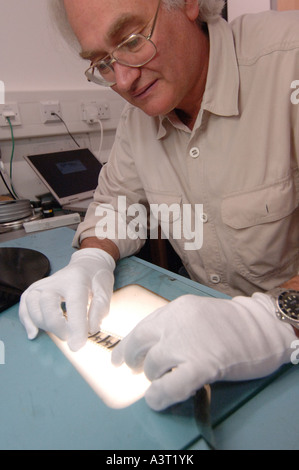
<point>69,175</point>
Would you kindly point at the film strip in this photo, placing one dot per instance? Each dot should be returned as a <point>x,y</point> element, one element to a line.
<point>105,340</point>
<point>102,338</point>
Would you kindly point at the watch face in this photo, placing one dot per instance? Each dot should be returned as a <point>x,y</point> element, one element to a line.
<point>289,304</point>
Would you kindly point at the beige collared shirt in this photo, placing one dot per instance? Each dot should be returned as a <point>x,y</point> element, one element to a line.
<point>240,161</point>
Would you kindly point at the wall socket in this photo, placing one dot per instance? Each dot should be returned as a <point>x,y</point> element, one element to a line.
<point>10,110</point>
<point>93,110</point>
<point>46,110</point>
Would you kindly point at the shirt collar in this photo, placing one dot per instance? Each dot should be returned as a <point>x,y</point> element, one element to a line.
<point>221,94</point>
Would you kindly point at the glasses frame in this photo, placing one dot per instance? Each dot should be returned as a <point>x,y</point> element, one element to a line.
<point>89,73</point>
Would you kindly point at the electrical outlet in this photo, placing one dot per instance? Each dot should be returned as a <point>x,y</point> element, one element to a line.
<point>93,110</point>
<point>47,108</point>
<point>10,110</point>
<point>104,110</point>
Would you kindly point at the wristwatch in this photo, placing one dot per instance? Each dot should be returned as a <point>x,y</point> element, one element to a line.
<point>286,303</point>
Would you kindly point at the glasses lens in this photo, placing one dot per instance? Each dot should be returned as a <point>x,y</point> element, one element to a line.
<point>101,74</point>
<point>136,51</point>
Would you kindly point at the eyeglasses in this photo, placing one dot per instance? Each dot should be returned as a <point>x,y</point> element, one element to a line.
<point>135,51</point>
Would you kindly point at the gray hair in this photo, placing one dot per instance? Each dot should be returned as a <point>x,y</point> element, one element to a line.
<point>210,10</point>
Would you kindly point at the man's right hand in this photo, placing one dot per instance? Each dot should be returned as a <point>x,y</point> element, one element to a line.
<point>85,285</point>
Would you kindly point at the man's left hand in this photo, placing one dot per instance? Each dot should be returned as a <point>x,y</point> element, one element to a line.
<point>195,341</point>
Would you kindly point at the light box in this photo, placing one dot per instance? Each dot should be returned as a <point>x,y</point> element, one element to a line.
<point>118,387</point>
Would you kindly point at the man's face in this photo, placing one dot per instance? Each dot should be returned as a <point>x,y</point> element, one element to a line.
<point>170,79</point>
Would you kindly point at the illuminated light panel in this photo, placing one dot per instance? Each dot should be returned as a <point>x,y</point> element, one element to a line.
<point>118,387</point>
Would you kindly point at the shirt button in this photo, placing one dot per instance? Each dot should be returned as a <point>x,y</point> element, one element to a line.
<point>194,152</point>
<point>215,279</point>
<point>204,218</point>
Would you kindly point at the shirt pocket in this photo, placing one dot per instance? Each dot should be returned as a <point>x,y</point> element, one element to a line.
<point>261,228</point>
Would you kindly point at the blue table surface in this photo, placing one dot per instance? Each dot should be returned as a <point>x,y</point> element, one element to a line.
<point>46,404</point>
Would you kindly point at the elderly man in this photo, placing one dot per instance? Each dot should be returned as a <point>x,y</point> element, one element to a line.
<point>211,120</point>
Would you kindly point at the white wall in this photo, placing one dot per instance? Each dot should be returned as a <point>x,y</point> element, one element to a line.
<point>37,65</point>
<point>239,7</point>
<point>32,57</point>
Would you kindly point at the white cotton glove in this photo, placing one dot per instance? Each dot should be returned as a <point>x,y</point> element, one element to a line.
<point>195,341</point>
<point>88,276</point>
